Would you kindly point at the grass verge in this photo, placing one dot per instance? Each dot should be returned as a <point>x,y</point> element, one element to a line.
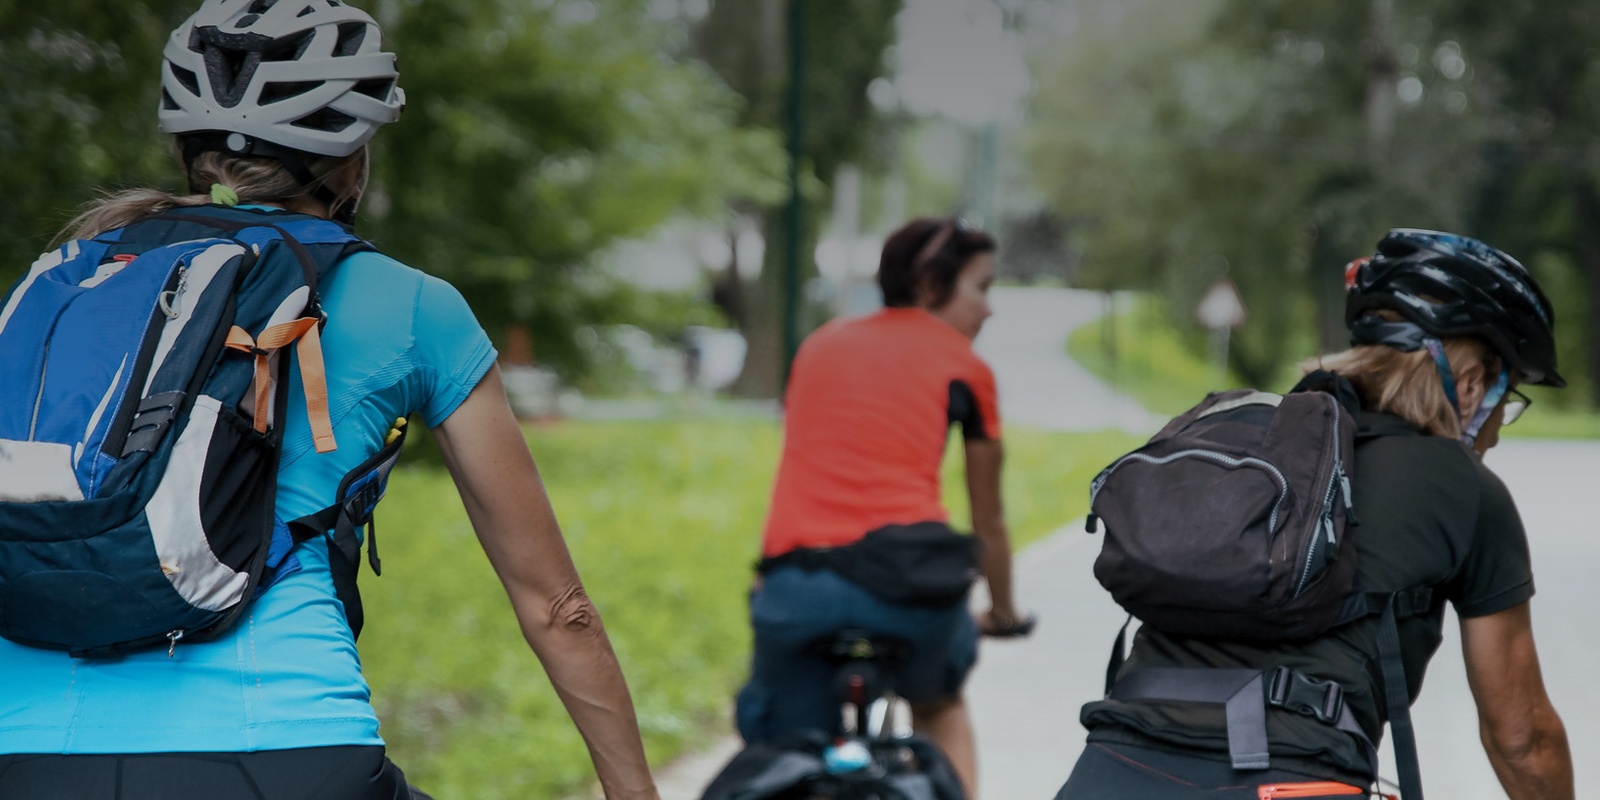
<point>663,519</point>
<point>1138,351</point>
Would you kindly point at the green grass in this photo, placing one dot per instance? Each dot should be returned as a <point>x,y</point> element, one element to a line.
<point>663,519</point>
<point>1139,352</point>
<point>1154,366</point>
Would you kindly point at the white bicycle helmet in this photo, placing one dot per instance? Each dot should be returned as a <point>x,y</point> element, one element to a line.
<point>308,75</point>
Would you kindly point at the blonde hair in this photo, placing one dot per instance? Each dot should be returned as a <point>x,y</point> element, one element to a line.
<point>1408,385</point>
<point>253,179</point>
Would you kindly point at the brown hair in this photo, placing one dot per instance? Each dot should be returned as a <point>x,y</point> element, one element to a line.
<point>927,254</point>
<point>253,179</point>
<point>1407,384</point>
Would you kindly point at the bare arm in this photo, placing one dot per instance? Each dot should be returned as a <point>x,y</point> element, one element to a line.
<point>1521,732</point>
<point>984,457</point>
<point>506,502</point>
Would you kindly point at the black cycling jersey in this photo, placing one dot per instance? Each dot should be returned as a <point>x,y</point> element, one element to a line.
<point>1431,514</point>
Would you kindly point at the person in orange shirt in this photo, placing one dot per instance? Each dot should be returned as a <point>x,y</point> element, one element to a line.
<point>857,535</point>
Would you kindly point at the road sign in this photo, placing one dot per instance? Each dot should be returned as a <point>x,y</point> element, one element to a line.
<point>1221,308</point>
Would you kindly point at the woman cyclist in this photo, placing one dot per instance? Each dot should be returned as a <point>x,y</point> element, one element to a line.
<point>856,536</point>
<point>1443,330</point>
<point>276,707</point>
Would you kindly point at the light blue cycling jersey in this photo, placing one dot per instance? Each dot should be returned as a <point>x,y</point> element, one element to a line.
<point>397,342</point>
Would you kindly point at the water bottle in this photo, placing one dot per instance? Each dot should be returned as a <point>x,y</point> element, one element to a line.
<point>846,755</point>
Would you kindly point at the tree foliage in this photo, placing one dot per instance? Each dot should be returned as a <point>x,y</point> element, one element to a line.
<point>536,135</point>
<point>77,112</point>
<point>746,42</point>
<point>1270,142</point>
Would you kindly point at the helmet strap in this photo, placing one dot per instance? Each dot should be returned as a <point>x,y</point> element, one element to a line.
<point>1491,398</point>
<point>1447,377</point>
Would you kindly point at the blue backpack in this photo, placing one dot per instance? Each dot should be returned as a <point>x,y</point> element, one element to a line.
<point>142,381</point>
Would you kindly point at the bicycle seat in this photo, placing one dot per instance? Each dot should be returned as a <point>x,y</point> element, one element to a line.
<point>860,645</point>
<point>864,663</point>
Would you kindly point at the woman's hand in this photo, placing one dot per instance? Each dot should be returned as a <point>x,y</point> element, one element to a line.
<point>1006,625</point>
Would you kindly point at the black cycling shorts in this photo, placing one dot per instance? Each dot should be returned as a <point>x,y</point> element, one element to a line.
<point>312,773</point>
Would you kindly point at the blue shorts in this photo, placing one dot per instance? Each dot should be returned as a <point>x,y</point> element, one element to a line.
<point>791,687</point>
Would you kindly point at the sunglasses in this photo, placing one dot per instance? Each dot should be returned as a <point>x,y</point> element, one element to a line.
<point>1515,403</point>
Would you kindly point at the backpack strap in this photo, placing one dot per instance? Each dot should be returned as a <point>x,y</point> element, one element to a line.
<point>358,495</point>
<point>304,333</point>
<point>1398,699</point>
<point>1333,383</point>
<point>1246,693</point>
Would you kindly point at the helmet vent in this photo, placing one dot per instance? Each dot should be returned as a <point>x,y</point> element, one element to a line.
<point>288,49</point>
<point>189,80</point>
<point>305,12</point>
<point>351,35</point>
<point>276,92</point>
<point>167,103</point>
<point>325,119</point>
<point>261,6</point>
<point>375,88</point>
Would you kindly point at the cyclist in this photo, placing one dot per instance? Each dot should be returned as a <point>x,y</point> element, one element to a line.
<point>277,707</point>
<point>1443,329</point>
<point>856,536</point>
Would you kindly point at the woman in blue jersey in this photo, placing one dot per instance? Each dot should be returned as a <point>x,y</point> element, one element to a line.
<point>276,707</point>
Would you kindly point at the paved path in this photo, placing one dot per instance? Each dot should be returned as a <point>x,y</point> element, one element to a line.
<point>1040,386</point>
<point>1025,695</point>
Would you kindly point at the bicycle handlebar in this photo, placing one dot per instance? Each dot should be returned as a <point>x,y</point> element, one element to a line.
<point>1019,629</point>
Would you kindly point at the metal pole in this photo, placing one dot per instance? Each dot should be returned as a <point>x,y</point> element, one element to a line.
<point>794,219</point>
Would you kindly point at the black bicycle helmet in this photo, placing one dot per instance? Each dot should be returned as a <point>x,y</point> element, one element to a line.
<point>1450,285</point>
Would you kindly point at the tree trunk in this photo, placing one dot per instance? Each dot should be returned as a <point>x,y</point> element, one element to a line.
<point>1383,69</point>
<point>762,374</point>
<point>1327,288</point>
<point>1586,224</point>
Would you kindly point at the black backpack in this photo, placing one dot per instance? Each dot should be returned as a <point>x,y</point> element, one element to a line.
<point>1230,521</point>
<point>1234,522</point>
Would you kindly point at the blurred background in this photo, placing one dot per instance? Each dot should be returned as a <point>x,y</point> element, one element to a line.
<point>649,202</point>
<point>609,180</point>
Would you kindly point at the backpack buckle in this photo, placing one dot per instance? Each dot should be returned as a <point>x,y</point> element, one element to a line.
<point>1298,692</point>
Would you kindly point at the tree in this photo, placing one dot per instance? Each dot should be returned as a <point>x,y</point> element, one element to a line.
<point>77,112</point>
<point>745,42</point>
<point>535,137</point>
<point>1540,198</point>
<point>1269,142</point>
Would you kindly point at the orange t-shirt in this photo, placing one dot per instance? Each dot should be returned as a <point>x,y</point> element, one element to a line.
<point>867,415</point>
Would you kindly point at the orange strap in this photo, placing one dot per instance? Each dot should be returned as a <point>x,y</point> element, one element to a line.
<point>1273,791</point>
<point>308,341</point>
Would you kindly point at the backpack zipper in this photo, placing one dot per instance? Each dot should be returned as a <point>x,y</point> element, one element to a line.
<point>38,400</point>
<point>1212,455</point>
<point>1337,480</point>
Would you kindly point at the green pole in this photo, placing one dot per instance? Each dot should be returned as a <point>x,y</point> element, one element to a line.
<point>794,218</point>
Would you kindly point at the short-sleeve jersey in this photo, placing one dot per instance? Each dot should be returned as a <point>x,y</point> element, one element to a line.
<point>1431,515</point>
<point>397,343</point>
<point>867,415</point>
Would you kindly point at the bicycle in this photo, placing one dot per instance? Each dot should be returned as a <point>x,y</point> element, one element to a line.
<point>875,757</point>
<point>872,756</point>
